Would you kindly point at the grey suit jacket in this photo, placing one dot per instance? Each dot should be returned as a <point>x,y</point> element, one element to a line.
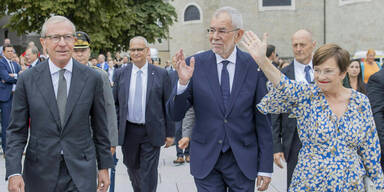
<point>34,102</point>
<point>157,122</point>
<point>188,122</point>
<point>109,107</point>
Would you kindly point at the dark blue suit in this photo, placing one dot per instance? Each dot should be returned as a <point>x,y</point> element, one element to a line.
<point>248,132</point>
<point>106,67</point>
<point>141,143</point>
<point>6,83</point>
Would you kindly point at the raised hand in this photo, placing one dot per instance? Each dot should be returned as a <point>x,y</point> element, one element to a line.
<point>255,46</point>
<point>184,71</point>
<point>257,49</point>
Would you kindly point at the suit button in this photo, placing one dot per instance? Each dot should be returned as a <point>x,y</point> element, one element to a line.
<point>225,121</point>
<point>220,141</point>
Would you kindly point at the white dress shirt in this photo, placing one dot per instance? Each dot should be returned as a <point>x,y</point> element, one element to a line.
<point>231,70</point>
<point>34,63</point>
<point>132,89</point>
<point>55,75</point>
<point>300,73</point>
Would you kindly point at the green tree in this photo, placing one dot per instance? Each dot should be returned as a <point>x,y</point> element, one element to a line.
<point>110,24</point>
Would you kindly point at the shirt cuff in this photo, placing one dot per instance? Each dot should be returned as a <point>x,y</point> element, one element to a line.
<point>181,88</point>
<point>16,174</point>
<point>264,174</point>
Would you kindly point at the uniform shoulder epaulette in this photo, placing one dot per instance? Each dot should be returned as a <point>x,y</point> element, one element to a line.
<point>98,69</point>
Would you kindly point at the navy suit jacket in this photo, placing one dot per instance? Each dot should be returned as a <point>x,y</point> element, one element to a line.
<point>6,81</point>
<point>157,122</point>
<point>247,130</point>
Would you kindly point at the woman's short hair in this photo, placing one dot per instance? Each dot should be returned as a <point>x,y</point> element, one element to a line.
<point>332,50</point>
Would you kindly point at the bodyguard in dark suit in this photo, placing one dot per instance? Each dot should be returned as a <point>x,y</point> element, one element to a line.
<point>231,142</point>
<point>375,91</point>
<point>286,142</point>
<point>141,91</point>
<point>8,78</point>
<point>61,99</point>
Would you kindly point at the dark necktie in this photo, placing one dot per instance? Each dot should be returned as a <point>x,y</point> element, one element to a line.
<point>62,96</point>
<point>225,93</point>
<point>225,89</point>
<point>307,74</point>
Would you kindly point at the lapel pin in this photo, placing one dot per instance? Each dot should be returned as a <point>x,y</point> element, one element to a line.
<point>153,73</point>
<point>258,69</point>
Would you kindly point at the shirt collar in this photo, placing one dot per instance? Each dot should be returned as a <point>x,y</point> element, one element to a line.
<point>34,63</point>
<point>144,69</point>
<point>54,69</point>
<point>301,66</point>
<point>231,58</point>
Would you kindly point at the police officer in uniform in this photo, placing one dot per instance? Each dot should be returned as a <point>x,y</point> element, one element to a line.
<point>81,53</point>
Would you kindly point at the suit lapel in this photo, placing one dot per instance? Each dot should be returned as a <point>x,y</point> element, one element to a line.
<point>44,83</point>
<point>150,76</point>
<point>241,70</point>
<point>7,65</point>
<point>78,80</point>
<point>213,79</point>
<point>291,71</point>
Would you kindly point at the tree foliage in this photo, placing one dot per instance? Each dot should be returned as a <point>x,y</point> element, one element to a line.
<point>110,24</point>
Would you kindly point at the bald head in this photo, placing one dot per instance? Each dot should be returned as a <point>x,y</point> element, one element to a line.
<point>303,46</point>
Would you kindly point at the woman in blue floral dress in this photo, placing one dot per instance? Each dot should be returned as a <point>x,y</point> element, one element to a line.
<point>339,140</point>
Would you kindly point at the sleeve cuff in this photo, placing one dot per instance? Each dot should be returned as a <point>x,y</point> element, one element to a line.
<point>181,88</point>
<point>264,174</point>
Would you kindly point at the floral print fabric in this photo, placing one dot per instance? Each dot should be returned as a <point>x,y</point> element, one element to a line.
<point>336,152</point>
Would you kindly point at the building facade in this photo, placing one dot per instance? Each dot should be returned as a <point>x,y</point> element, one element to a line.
<point>353,24</point>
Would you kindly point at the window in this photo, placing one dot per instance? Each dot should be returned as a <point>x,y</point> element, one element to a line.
<point>266,5</point>
<point>345,2</point>
<point>191,13</point>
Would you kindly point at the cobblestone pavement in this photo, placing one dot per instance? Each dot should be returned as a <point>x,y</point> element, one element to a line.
<point>172,178</point>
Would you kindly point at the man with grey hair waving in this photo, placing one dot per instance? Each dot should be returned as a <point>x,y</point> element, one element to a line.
<point>231,142</point>
<point>61,99</point>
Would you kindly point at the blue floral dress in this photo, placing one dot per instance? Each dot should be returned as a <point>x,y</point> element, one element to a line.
<point>336,152</point>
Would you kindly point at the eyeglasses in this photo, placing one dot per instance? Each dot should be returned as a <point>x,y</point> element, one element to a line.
<point>220,31</point>
<point>326,72</point>
<point>137,49</point>
<point>68,38</point>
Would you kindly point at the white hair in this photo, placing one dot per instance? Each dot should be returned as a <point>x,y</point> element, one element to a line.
<point>237,19</point>
<point>141,38</point>
<point>53,20</point>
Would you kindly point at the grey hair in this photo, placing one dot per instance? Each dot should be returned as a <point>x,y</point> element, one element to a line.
<point>34,50</point>
<point>53,20</point>
<point>141,38</point>
<point>236,17</point>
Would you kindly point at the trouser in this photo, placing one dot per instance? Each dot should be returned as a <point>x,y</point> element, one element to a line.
<point>225,176</point>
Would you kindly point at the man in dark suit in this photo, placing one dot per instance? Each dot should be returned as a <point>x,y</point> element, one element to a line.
<point>141,91</point>
<point>375,92</point>
<point>32,56</point>
<point>286,142</point>
<point>8,78</point>
<point>231,142</point>
<point>61,99</point>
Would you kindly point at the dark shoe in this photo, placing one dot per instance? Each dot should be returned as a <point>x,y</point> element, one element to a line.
<point>187,158</point>
<point>179,160</point>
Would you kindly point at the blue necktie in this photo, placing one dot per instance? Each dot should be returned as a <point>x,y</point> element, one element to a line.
<point>307,74</point>
<point>225,93</point>
<point>137,102</point>
<point>225,89</point>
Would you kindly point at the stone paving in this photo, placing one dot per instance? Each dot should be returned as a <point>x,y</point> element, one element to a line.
<point>172,178</point>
